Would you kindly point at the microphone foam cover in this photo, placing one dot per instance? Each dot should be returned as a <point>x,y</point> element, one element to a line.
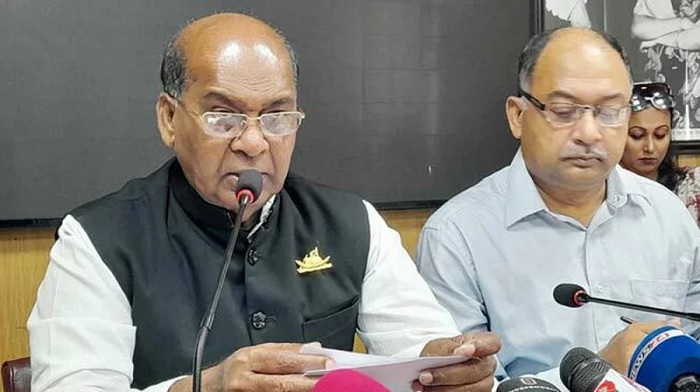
<point>581,370</point>
<point>526,384</point>
<point>566,293</point>
<point>664,355</point>
<point>250,180</point>
<point>346,380</point>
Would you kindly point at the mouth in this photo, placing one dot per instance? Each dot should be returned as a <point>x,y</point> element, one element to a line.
<point>648,161</point>
<point>583,160</point>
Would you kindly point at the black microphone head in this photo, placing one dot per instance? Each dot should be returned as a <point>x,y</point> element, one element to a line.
<point>249,183</point>
<point>526,384</point>
<point>581,370</point>
<point>571,295</point>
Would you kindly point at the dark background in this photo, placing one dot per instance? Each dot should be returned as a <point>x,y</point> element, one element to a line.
<point>404,98</point>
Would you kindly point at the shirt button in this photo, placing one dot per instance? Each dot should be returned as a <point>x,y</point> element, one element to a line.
<point>600,288</point>
<point>253,256</point>
<point>258,320</point>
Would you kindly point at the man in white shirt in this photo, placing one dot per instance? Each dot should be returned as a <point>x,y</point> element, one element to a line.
<point>563,212</point>
<point>131,273</point>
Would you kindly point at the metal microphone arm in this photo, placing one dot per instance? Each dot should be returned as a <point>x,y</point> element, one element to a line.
<point>585,297</point>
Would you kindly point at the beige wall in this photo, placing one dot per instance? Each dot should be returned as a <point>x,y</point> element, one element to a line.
<point>24,255</point>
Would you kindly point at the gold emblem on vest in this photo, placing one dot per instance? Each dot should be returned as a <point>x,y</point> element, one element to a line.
<point>313,262</point>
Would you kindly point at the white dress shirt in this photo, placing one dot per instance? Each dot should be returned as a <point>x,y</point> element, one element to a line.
<point>82,336</point>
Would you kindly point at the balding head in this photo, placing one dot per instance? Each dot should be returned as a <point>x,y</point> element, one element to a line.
<point>174,72</point>
<point>530,55</point>
<point>220,75</point>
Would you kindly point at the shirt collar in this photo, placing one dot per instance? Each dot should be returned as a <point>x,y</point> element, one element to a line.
<point>204,213</point>
<point>523,198</point>
<point>624,186</point>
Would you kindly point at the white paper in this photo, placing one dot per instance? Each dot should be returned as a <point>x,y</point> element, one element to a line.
<point>396,374</point>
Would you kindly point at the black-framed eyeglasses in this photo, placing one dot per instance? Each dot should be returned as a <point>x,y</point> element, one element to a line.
<point>227,125</point>
<point>565,114</point>
<point>656,94</point>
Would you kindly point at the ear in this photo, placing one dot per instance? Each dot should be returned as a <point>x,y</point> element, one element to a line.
<point>514,112</point>
<point>165,112</point>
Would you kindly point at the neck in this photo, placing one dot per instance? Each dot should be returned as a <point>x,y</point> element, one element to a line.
<point>580,204</point>
<point>653,176</point>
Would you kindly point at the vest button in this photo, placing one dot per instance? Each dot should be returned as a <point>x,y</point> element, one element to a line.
<point>258,320</point>
<point>253,256</point>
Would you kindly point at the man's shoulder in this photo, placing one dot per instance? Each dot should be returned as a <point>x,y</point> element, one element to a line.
<point>652,190</point>
<point>482,201</point>
<point>651,194</point>
<point>135,192</point>
<point>301,188</point>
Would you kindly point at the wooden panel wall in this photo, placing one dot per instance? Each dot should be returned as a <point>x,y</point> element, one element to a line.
<point>23,259</point>
<point>24,256</point>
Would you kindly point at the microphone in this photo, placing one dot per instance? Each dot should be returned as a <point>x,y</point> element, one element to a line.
<point>667,360</point>
<point>583,371</point>
<point>575,296</point>
<point>526,384</point>
<point>346,380</point>
<point>247,190</point>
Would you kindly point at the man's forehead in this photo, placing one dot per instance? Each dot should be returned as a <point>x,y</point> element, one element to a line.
<point>588,63</point>
<point>254,61</point>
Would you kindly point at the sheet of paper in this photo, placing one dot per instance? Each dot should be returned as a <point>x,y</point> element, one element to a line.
<point>396,374</point>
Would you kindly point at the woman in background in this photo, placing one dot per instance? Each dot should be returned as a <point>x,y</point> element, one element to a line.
<point>648,142</point>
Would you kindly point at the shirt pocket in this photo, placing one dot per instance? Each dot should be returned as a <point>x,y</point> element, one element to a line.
<point>335,330</point>
<point>665,294</point>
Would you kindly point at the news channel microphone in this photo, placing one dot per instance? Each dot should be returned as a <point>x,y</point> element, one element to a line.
<point>247,190</point>
<point>583,371</point>
<point>667,360</point>
<point>575,296</point>
<point>526,384</point>
<point>346,380</point>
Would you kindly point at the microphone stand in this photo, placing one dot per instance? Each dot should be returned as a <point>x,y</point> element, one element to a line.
<point>584,297</point>
<point>208,320</point>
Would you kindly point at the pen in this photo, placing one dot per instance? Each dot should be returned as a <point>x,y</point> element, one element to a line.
<point>628,320</point>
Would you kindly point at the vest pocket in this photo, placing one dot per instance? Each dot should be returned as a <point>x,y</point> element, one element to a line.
<point>336,330</point>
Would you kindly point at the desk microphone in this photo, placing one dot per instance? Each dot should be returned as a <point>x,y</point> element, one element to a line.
<point>526,384</point>
<point>574,296</point>
<point>247,190</point>
<point>667,360</point>
<point>583,371</point>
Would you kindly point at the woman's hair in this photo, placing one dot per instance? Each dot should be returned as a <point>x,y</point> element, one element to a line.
<point>669,172</point>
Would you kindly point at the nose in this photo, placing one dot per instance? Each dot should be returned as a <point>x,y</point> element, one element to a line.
<point>588,130</point>
<point>649,145</point>
<point>251,141</point>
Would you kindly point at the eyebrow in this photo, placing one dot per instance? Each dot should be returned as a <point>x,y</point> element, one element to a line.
<point>240,105</point>
<point>641,128</point>
<point>566,95</point>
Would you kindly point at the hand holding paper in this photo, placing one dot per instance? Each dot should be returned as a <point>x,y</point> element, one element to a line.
<point>462,360</point>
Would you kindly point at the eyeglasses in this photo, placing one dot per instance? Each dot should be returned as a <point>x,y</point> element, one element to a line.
<point>655,94</point>
<point>561,114</point>
<point>225,125</point>
<point>230,125</point>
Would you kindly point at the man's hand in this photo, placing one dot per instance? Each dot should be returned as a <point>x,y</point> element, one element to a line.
<point>621,347</point>
<point>267,367</point>
<point>474,375</point>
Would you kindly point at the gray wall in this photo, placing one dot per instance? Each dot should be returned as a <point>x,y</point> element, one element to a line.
<point>404,98</point>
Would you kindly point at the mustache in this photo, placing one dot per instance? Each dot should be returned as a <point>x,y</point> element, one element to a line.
<point>579,152</point>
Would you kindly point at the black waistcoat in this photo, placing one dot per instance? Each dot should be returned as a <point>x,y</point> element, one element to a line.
<point>165,246</point>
